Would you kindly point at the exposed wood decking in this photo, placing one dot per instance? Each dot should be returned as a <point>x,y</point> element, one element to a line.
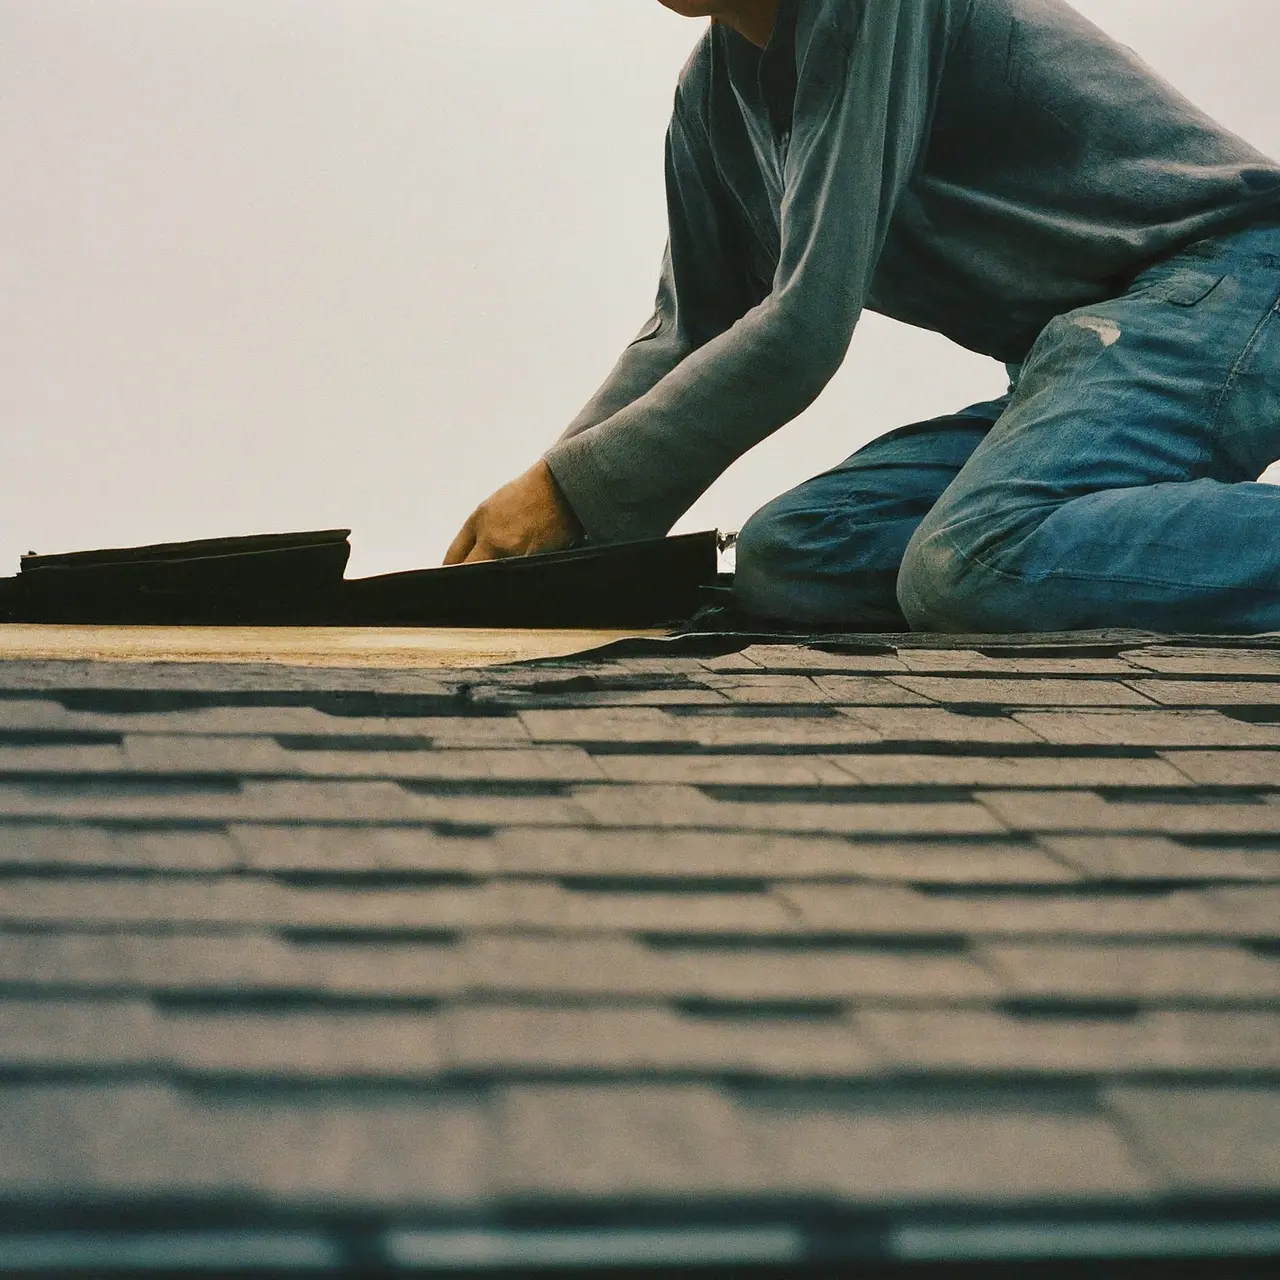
<point>359,647</point>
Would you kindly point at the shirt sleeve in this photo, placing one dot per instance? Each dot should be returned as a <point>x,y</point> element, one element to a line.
<point>864,77</point>
<point>703,288</point>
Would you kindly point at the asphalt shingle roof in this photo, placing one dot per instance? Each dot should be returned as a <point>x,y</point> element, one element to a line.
<point>719,950</point>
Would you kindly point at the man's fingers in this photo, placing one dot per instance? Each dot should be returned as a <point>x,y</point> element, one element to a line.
<point>461,547</point>
<point>481,551</point>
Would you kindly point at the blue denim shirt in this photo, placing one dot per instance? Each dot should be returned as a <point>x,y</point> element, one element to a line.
<point>974,167</point>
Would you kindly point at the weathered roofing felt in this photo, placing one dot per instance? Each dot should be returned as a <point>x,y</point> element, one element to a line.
<point>879,947</point>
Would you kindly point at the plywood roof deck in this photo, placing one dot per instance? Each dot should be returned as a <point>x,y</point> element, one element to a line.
<point>371,647</point>
<point>890,950</point>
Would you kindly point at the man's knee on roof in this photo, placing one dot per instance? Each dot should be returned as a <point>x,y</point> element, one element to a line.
<point>942,588</point>
<point>801,561</point>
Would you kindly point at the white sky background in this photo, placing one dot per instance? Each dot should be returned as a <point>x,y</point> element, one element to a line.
<point>284,264</point>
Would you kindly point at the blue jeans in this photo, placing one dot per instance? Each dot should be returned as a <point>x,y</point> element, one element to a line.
<point>1113,486</point>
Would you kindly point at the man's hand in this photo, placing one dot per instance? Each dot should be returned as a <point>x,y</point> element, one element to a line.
<point>524,517</point>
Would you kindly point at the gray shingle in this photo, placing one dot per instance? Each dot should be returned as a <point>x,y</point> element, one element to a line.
<point>880,909</point>
<point>854,975</point>
<point>1211,693</point>
<point>1228,768</point>
<point>190,852</point>
<point>558,966</point>
<point>973,1041</point>
<point>687,807</point>
<point>182,963</point>
<point>353,1151</point>
<point>956,863</point>
<point>1007,771</point>
<point>800,658</point>
<point>656,852</point>
<point>359,850</point>
<point>547,764</point>
<point>522,1040</point>
<point>742,914</point>
<point>459,732</point>
<point>1204,1139</point>
<point>768,689</point>
<point>799,732</point>
<point>484,809</point>
<point>1220,661</point>
<point>305,1045</point>
<point>743,662</point>
<point>237,964</point>
<point>1148,729</point>
<point>392,909</point>
<point>67,848</point>
<point>237,721</point>
<point>1029,692</point>
<point>870,691</point>
<point>88,758</point>
<point>606,698</point>
<point>614,1143</point>
<point>621,724</point>
<point>519,965</point>
<point>32,712</point>
<point>35,845</point>
<point>50,1034</point>
<point>58,960</point>
<point>943,818</point>
<point>411,970</point>
<point>659,664</point>
<point>533,906</point>
<point>727,770</point>
<point>1248,912</point>
<point>694,855</point>
<point>970,661</point>
<point>801,690</point>
<point>1159,858</point>
<point>198,754</point>
<point>1085,811</point>
<point>139,901</point>
<point>989,1156</point>
<point>151,903</point>
<point>88,1143</point>
<point>649,806</point>
<point>287,800</point>
<point>216,965</point>
<point>1077,971</point>
<point>938,724</point>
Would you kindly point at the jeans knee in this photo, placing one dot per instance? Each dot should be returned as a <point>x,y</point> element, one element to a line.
<point>942,589</point>
<point>802,563</point>
<point>765,564</point>
<point>923,585</point>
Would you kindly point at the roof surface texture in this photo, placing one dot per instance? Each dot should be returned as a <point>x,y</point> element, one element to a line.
<point>865,947</point>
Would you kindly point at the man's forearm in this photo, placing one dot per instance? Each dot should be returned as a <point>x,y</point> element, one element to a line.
<point>633,475</point>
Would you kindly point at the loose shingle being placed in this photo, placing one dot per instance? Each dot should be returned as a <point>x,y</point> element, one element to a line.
<point>296,579</point>
<point>706,952</point>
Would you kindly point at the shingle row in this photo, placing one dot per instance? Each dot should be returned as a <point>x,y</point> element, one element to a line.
<point>634,1145</point>
<point>844,972</point>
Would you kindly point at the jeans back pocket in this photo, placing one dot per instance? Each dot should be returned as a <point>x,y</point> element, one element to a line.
<point>1183,287</point>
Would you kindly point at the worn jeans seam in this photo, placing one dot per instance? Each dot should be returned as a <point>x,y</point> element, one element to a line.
<point>1019,581</point>
<point>1233,377</point>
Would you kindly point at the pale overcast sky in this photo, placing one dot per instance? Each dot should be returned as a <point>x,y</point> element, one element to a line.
<point>279,264</point>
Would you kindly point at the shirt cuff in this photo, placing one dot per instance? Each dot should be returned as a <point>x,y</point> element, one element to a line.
<point>586,489</point>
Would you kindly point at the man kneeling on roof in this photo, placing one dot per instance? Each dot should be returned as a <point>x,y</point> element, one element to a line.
<point>1002,172</point>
